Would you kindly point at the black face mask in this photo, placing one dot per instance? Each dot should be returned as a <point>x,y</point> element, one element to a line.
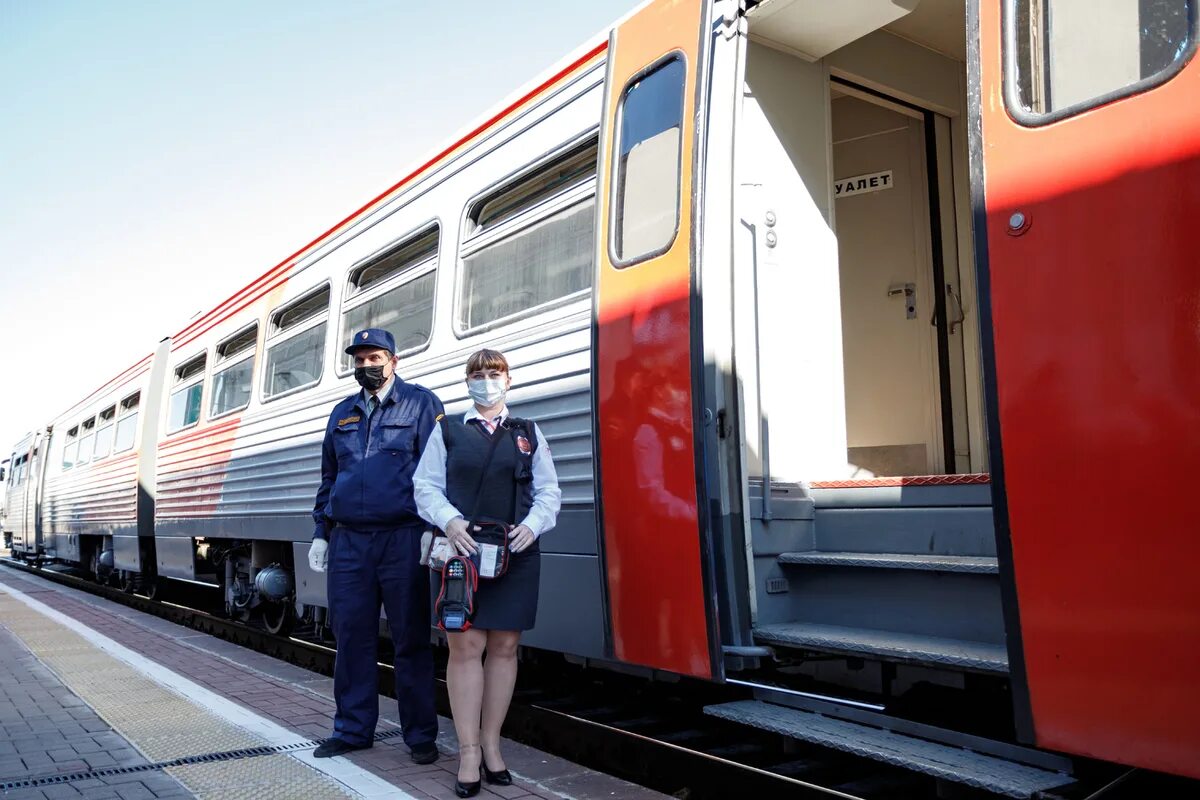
<point>370,378</point>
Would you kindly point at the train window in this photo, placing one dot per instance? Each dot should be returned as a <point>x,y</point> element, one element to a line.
<point>296,357</point>
<point>86,432</point>
<point>645,203</point>
<point>184,409</point>
<point>127,423</point>
<point>1064,56</point>
<point>394,291</point>
<point>233,383</point>
<point>71,448</point>
<point>531,243</point>
<point>302,310</point>
<point>575,168</point>
<point>104,433</point>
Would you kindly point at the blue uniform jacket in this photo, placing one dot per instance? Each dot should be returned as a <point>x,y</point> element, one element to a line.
<point>366,471</point>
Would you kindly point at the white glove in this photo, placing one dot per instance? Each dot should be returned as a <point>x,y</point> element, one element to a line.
<point>318,555</point>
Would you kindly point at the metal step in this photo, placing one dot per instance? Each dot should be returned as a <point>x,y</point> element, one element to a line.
<point>983,565</point>
<point>941,761</point>
<point>912,647</point>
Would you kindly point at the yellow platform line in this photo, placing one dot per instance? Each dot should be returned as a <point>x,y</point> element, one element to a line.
<point>166,716</point>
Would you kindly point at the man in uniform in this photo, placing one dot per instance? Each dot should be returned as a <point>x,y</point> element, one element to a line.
<point>368,534</point>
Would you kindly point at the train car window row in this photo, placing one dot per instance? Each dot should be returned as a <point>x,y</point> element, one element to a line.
<point>17,470</point>
<point>233,382</point>
<point>646,185</point>
<point>394,291</point>
<point>529,248</point>
<point>113,430</point>
<point>1062,57</point>
<point>184,408</point>
<point>530,243</point>
<point>295,357</point>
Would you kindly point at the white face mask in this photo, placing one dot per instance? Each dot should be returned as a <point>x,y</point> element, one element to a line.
<point>486,391</point>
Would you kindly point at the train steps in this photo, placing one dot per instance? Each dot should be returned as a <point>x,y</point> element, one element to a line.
<point>942,761</point>
<point>896,573</point>
<point>930,651</point>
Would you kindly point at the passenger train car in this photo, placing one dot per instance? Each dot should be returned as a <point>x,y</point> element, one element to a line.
<point>864,336</point>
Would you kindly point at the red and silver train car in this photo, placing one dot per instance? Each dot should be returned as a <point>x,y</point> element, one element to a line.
<point>848,324</point>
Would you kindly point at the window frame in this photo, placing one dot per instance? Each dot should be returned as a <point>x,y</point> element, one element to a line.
<point>184,385</point>
<point>473,241</point>
<point>352,300</point>
<point>1009,56</point>
<point>618,117</point>
<point>84,433</point>
<point>231,362</point>
<point>122,413</point>
<point>71,438</point>
<point>273,338</point>
<point>101,425</point>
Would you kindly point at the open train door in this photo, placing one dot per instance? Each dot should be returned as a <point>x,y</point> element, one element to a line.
<point>1086,173</point>
<point>647,350</point>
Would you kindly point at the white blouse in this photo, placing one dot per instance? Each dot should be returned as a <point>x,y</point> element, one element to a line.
<point>429,481</point>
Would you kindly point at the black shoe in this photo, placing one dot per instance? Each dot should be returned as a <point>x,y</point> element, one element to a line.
<point>425,753</point>
<point>466,789</point>
<point>500,778</point>
<point>336,747</point>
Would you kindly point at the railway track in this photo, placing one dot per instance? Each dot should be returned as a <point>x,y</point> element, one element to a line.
<point>651,733</point>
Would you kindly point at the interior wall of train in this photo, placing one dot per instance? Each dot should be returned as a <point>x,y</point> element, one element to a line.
<point>855,224</point>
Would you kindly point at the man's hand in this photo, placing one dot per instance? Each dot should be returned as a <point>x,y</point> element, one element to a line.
<point>318,555</point>
<point>460,538</point>
<point>520,537</point>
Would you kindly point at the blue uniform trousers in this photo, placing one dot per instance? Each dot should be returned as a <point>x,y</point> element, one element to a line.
<point>367,568</point>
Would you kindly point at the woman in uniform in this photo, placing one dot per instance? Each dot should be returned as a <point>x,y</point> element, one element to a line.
<point>515,484</point>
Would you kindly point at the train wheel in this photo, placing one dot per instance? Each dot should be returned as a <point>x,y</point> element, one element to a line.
<point>278,618</point>
<point>148,587</point>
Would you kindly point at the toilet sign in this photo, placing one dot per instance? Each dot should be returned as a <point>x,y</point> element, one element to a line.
<point>863,184</point>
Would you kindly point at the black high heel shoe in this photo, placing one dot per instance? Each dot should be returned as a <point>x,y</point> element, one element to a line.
<point>468,789</point>
<point>501,778</point>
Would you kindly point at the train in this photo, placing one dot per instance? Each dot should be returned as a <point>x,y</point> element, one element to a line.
<point>863,336</point>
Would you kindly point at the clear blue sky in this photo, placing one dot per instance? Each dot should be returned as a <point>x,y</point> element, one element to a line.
<point>154,156</point>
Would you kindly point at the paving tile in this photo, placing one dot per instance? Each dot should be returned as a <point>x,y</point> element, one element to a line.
<point>136,791</point>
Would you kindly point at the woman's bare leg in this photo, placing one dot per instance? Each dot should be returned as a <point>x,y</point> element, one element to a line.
<point>499,677</point>
<point>465,682</point>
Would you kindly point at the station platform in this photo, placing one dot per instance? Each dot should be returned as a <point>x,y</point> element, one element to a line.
<point>98,700</point>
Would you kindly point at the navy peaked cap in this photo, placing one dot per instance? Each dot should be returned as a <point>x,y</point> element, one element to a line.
<point>372,337</point>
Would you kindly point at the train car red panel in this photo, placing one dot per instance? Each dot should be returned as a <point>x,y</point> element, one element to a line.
<point>1091,169</point>
<point>645,347</point>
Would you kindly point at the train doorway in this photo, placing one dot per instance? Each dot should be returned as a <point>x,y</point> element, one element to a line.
<point>902,312</point>
<point>857,334</point>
